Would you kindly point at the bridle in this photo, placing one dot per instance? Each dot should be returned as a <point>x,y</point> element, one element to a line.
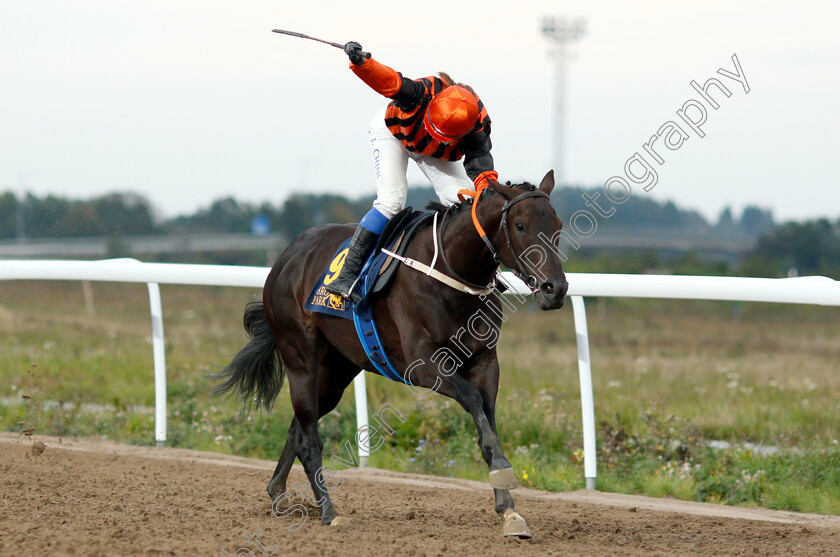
<point>529,279</point>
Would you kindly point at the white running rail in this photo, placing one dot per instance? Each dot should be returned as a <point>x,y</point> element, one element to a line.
<point>803,290</point>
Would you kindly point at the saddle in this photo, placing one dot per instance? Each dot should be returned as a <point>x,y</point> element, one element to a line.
<point>379,271</point>
<point>374,280</point>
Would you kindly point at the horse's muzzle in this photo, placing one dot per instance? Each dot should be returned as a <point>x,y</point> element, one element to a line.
<point>552,293</point>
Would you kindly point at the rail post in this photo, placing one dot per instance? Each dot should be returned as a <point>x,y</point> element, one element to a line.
<point>587,403</point>
<point>360,392</point>
<point>159,350</point>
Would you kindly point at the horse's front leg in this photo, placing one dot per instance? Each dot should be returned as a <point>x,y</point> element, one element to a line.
<point>502,476</point>
<point>485,378</point>
<point>470,398</point>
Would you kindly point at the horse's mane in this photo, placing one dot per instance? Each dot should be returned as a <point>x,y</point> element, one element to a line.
<point>524,185</point>
<point>440,208</point>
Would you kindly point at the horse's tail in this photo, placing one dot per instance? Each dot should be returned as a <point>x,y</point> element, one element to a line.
<point>256,370</point>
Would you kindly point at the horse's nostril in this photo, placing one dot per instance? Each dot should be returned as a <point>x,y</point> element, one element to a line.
<point>554,289</point>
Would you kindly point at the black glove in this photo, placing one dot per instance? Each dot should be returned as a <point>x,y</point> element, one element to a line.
<point>355,53</point>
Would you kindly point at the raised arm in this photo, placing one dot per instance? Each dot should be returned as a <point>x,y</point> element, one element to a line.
<point>386,81</point>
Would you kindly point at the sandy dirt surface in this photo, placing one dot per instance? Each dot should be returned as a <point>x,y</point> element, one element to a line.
<point>93,497</point>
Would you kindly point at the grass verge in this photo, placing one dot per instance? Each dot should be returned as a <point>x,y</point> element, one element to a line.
<point>669,379</point>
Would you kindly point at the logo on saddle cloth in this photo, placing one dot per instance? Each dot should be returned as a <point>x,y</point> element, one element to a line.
<point>327,300</point>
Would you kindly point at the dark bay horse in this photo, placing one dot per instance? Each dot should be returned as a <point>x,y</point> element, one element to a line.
<point>321,354</point>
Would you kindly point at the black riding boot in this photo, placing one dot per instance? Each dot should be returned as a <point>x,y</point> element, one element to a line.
<point>360,247</point>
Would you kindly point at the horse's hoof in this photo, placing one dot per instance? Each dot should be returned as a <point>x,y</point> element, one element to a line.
<point>504,478</point>
<point>340,522</point>
<point>515,526</point>
<point>275,492</point>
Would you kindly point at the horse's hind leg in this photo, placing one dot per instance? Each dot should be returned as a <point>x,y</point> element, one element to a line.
<point>316,388</point>
<point>305,403</point>
<point>277,484</point>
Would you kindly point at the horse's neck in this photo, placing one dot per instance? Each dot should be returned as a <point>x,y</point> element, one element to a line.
<point>466,252</point>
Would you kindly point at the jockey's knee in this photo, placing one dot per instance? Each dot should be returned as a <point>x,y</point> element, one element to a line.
<point>388,207</point>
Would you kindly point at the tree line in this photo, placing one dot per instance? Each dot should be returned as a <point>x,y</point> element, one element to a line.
<point>809,247</point>
<point>59,217</point>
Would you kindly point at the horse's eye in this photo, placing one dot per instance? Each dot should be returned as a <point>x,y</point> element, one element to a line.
<point>520,227</point>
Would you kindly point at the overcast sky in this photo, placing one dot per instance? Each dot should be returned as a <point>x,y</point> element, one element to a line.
<point>189,101</point>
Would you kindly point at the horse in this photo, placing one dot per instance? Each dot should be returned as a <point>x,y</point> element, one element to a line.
<point>418,316</point>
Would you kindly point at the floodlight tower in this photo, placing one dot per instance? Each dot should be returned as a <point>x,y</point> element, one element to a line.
<point>561,32</point>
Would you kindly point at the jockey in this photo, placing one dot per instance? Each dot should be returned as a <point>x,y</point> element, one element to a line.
<point>433,121</point>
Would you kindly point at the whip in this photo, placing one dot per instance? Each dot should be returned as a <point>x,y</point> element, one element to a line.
<point>302,36</point>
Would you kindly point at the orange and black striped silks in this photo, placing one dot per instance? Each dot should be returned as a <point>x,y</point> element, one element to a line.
<point>404,115</point>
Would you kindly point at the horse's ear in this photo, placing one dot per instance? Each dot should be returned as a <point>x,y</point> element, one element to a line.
<point>547,183</point>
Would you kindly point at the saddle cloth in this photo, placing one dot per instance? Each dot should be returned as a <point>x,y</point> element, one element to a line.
<point>375,277</point>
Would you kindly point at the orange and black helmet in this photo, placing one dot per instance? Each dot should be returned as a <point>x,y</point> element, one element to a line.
<point>451,114</point>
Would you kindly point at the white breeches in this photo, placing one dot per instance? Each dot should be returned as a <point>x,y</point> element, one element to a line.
<point>390,163</point>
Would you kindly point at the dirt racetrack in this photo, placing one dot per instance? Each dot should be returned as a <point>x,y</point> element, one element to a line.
<point>93,497</point>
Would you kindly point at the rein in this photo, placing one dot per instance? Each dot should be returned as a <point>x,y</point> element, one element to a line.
<point>458,282</point>
<point>438,233</point>
<point>476,195</point>
<point>530,279</point>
